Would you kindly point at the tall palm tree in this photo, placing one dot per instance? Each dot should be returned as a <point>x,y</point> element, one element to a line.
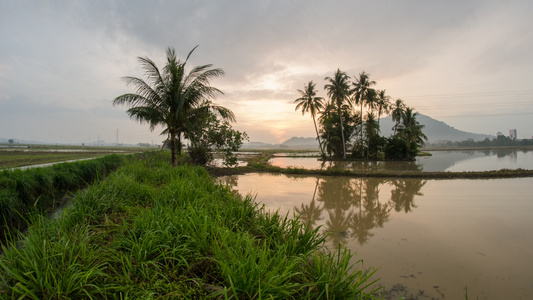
<point>171,96</point>
<point>383,103</point>
<point>362,92</point>
<point>372,100</point>
<point>397,110</point>
<point>309,102</point>
<point>338,89</point>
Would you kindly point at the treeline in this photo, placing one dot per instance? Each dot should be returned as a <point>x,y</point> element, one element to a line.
<point>499,141</point>
<point>344,130</point>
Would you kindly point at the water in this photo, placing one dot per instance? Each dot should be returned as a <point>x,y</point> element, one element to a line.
<point>50,164</point>
<point>452,161</point>
<point>430,238</point>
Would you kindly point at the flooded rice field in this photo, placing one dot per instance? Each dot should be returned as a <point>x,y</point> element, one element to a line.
<point>451,161</point>
<point>430,238</point>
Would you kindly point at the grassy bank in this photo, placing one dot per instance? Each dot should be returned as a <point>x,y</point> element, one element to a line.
<point>40,190</point>
<point>150,231</point>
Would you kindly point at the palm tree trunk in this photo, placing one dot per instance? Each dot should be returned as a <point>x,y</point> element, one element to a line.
<point>318,137</point>
<point>173,147</point>
<point>361,124</point>
<point>342,136</point>
<point>179,146</point>
<point>379,114</point>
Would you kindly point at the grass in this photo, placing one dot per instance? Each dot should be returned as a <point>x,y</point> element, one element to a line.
<point>151,231</point>
<point>41,190</point>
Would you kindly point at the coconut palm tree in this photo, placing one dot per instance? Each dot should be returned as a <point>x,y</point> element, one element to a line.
<point>309,102</point>
<point>169,97</point>
<point>411,132</point>
<point>338,89</point>
<point>371,128</point>
<point>397,110</point>
<point>362,92</point>
<point>383,103</point>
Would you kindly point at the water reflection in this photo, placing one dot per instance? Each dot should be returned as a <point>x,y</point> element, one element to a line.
<point>453,161</point>
<point>430,238</point>
<point>347,208</point>
<point>353,206</point>
<point>403,195</point>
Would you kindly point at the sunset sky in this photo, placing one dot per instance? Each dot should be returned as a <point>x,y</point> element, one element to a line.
<point>467,63</point>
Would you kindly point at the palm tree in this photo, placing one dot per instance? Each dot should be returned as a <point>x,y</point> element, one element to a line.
<point>397,110</point>
<point>371,129</point>
<point>309,102</point>
<point>362,93</point>
<point>170,97</point>
<point>383,102</point>
<point>411,132</point>
<point>338,89</point>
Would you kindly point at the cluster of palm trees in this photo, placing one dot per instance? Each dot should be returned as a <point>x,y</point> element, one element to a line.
<point>342,119</point>
<point>173,98</point>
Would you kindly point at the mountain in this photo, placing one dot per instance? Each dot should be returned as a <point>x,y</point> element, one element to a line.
<point>260,145</point>
<point>435,130</point>
<point>292,143</point>
<point>301,142</point>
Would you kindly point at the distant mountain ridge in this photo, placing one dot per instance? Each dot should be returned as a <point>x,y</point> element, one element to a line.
<point>435,130</point>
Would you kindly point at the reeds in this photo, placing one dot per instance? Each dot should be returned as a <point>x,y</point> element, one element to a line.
<point>152,231</point>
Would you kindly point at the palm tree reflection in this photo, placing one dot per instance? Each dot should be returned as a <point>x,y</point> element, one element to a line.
<point>352,208</point>
<point>402,197</point>
<point>311,213</point>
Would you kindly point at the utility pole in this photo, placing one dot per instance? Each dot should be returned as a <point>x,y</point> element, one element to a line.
<point>117,139</point>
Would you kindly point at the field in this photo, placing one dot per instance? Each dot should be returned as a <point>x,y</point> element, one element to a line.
<point>25,155</point>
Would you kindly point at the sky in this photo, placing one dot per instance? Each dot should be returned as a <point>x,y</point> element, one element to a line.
<point>467,63</point>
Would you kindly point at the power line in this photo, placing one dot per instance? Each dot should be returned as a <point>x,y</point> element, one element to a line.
<point>473,94</point>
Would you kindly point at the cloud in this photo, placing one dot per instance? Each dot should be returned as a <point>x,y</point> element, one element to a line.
<point>70,56</point>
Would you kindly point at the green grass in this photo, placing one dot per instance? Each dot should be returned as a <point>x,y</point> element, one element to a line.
<point>151,231</point>
<point>41,190</point>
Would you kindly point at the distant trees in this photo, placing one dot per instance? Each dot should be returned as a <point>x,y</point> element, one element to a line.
<point>343,127</point>
<point>174,98</point>
<point>499,141</point>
